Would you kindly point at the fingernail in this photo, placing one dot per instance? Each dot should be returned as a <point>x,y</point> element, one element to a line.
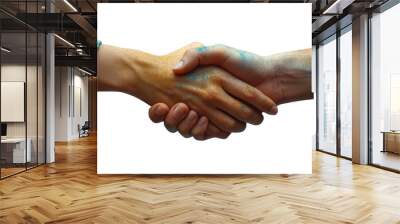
<point>192,115</point>
<point>178,111</point>
<point>274,110</point>
<point>170,129</point>
<point>179,64</point>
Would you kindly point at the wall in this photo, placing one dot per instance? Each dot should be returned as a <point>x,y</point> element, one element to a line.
<point>34,124</point>
<point>17,73</point>
<point>71,102</point>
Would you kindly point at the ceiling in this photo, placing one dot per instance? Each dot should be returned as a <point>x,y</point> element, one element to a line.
<point>76,22</point>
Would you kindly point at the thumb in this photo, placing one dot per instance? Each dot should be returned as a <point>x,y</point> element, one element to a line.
<point>188,62</point>
<point>158,112</point>
<point>212,55</point>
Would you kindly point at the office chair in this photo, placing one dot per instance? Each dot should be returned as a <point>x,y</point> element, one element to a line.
<point>84,130</point>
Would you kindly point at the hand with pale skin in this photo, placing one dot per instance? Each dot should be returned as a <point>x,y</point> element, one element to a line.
<point>284,77</point>
<point>227,102</point>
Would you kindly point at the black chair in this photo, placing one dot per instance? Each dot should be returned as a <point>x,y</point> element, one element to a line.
<point>84,130</point>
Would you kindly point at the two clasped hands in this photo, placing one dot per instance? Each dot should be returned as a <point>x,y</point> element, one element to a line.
<point>207,91</point>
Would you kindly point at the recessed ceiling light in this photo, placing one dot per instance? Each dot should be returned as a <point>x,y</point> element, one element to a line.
<point>70,5</point>
<point>5,50</point>
<point>65,41</point>
<point>338,6</point>
<point>84,71</point>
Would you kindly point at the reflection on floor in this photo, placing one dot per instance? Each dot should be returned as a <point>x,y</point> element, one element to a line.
<point>11,169</point>
<point>70,191</point>
<point>386,159</point>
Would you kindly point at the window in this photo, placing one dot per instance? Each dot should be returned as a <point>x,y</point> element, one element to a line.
<point>346,92</point>
<point>385,89</point>
<point>327,95</point>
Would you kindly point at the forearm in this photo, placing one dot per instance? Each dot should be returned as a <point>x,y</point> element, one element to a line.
<point>123,70</point>
<point>292,75</point>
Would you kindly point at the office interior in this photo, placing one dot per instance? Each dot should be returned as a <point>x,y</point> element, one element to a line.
<point>367,79</point>
<point>48,77</point>
<point>48,86</point>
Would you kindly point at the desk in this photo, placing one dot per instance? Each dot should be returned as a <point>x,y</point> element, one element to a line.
<point>391,141</point>
<point>13,150</point>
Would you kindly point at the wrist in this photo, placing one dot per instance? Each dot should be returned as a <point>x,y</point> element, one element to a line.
<point>291,75</point>
<point>114,73</point>
<point>294,87</point>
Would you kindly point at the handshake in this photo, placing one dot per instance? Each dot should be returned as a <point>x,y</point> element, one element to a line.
<point>207,91</point>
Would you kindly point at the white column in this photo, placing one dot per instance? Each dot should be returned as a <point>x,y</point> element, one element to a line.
<point>360,90</point>
<point>50,92</point>
<point>50,99</point>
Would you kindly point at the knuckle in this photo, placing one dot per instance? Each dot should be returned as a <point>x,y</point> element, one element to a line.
<point>211,96</point>
<point>217,78</point>
<point>191,52</point>
<point>252,116</point>
<point>247,113</point>
<point>235,126</point>
<point>249,93</point>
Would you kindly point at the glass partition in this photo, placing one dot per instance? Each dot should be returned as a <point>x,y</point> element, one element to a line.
<point>31,100</point>
<point>14,153</point>
<point>327,95</point>
<point>41,91</point>
<point>22,89</point>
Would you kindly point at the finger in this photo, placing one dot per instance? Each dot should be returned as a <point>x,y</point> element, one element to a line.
<point>214,132</point>
<point>177,113</point>
<point>249,94</point>
<point>199,130</point>
<point>223,121</point>
<point>158,112</point>
<point>237,109</point>
<point>186,125</point>
<point>215,55</point>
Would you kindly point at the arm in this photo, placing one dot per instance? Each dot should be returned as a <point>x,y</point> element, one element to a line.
<point>292,76</point>
<point>209,91</point>
<point>285,77</point>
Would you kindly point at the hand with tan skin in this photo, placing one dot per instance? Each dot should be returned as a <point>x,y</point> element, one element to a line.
<point>285,77</point>
<point>227,102</point>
